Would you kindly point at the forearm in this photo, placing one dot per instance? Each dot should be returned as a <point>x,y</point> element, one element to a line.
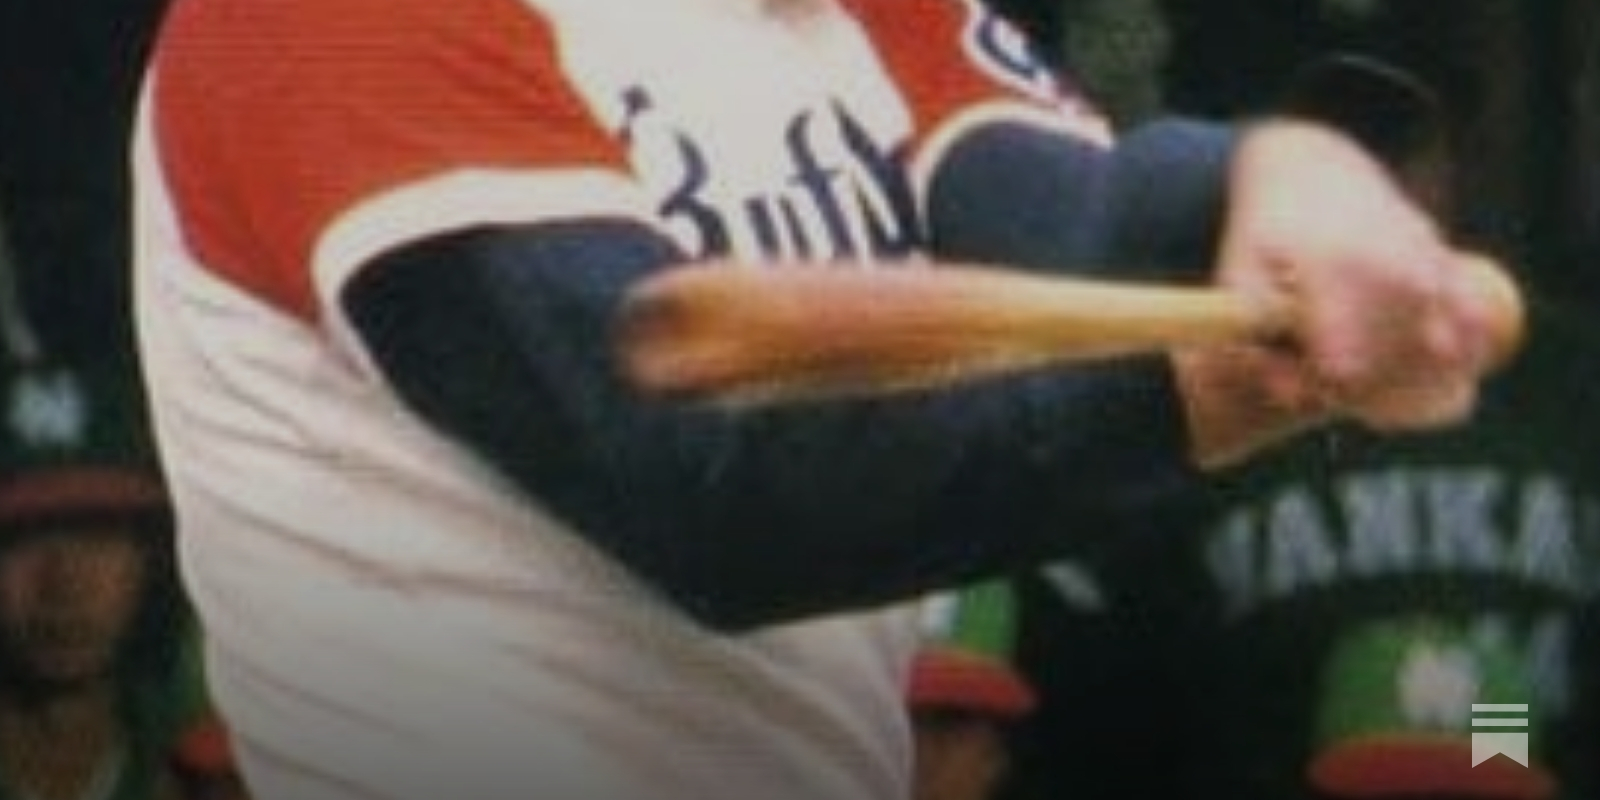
<point>502,339</point>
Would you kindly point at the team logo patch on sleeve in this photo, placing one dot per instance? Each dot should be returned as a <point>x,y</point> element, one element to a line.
<point>1002,51</point>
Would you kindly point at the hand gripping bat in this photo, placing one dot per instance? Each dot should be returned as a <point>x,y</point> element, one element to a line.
<point>743,335</point>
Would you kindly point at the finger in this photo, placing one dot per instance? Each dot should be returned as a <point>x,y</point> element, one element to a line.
<point>1422,405</point>
<point>1383,315</point>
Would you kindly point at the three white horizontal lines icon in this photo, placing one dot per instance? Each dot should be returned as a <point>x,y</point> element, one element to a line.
<point>1512,744</point>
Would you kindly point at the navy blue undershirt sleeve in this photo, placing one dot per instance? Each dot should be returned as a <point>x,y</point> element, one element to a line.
<point>502,337</point>
<point>1027,197</point>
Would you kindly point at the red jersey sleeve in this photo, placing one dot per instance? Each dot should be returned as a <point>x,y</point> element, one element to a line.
<point>955,58</point>
<point>272,119</point>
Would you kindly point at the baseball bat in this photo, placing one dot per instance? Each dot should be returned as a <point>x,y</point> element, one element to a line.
<point>743,335</point>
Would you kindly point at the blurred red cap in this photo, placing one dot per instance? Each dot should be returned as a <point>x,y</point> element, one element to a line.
<point>947,678</point>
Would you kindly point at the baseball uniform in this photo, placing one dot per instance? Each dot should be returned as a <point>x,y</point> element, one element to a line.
<point>390,613</point>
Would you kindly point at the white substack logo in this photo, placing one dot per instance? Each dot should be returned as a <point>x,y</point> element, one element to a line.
<point>1513,744</point>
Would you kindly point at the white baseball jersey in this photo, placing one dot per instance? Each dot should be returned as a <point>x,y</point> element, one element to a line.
<point>389,617</point>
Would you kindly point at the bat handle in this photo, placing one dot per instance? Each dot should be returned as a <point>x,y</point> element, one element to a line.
<point>1507,310</point>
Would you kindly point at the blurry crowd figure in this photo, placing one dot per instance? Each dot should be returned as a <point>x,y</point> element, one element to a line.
<point>101,696</point>
<point>1324,624</point>
<point>91,694</point>
<point>964,695</point>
